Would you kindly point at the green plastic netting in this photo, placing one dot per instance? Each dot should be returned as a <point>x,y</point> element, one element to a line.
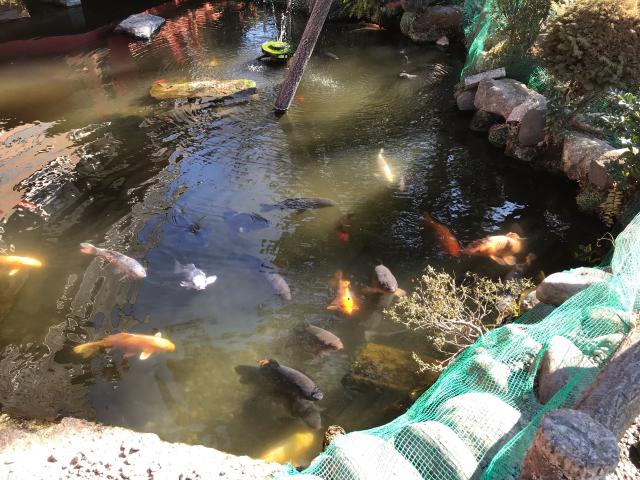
<point>478,420</point>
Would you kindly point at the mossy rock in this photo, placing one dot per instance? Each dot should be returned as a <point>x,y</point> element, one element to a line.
<point>388,368</point>
<point>406,21</point>
<point>277,50</point>
<point>216,89</point>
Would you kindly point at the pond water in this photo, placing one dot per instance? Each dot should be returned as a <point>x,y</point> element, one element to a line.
<point>136,173</point>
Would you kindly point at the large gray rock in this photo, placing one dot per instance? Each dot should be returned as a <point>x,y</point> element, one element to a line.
<point>532,125</point>
<point>442,452</point>
<point>481,420</point>
<point>559,363</point>
<point>465,100</point>
<point>579,152</point>
<point>598,169</point>
<point>140,26</point>
<point>503,96</point>
<point>558,287</point>
<point>435,22</point>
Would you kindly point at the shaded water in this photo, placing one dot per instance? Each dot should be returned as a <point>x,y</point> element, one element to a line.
<point>132,168</point>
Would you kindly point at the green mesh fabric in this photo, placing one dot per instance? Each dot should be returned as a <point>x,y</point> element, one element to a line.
<point>478,420</point>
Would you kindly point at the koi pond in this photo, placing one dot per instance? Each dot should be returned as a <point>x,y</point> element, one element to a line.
<point>86,155</point>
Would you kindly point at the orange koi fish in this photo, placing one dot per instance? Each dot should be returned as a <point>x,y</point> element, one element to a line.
<point>448,241</point>
<point>344,301</point>
<point>502,249</point>
<point>131,344</point>
<point>15,263</point>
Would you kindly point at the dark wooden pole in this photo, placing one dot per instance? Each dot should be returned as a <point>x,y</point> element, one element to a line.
<point>302,55</point>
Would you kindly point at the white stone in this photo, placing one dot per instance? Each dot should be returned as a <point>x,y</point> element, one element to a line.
<point>558,287</point>
<point>140,26</point>
<point>494,74</point>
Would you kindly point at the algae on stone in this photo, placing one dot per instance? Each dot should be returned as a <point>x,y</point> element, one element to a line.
<point>217,89</point>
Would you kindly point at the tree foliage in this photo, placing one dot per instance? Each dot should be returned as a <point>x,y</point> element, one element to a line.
<point>593,45</point>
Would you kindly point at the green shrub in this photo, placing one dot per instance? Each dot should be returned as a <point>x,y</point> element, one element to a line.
<point>454,314</point>
<point>593,45</point>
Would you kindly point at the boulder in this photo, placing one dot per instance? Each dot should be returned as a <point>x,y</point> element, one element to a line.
<point>488,373</point>
<point>435,22</point>
<point>598,175</point>
<point>520,152</point>
<point>360,455</point>
<point>442,453</point>
<point>481,420</point>
<point>579,152</point>
<point>388,368</point>
<point>465,100</point>
<point>215,89</point>
<point>604,347</point>
<point>503,96</point>
<point>498,134</point>
<point>415,5</point>
<point>532,123</point>
<point>611,319</point>
<point>482,121</point>
<point>405,22</point>
<point>561,361</point>
<point>558,287</point>
<point>140,26</point>
<point>473,80</point>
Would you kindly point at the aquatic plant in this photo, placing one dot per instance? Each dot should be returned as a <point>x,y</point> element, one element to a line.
<point>454,314</point>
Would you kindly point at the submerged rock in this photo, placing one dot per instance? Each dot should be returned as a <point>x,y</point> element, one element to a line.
<point>559,363</point>
<point>388,368</point>
<point>482,121</point>
<point>140,26</point>
<point>465,100</point>
<point>434,23</point>
<point>216,89</point>
<point>558,287</point>
<point>498,135</point>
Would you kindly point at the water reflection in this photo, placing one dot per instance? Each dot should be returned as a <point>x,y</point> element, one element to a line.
<point>157,182</point>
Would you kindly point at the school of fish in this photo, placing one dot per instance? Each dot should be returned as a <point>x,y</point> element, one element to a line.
<point>297,391</point>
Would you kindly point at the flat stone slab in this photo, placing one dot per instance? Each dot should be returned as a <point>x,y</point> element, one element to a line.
<point>474,80</point>
<point>560,286</point>
<point>216,89</point>
<point>140,26</point>
<point>76,449</point>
